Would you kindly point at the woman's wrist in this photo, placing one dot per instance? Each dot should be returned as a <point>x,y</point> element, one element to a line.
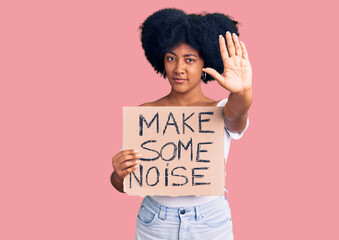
<point>238,104</point>
<point>117,182</point>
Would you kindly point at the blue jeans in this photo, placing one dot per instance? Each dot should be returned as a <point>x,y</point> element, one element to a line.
<point>211,220</point>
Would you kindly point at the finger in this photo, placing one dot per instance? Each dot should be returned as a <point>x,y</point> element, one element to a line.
<point>244,50</point>
<point>129,164</point>
<point>230,45</point>
<point>238,51</point>
<point>122,172</point>
<point>128,171</point>
<point>124,157</point>
<point>124,152</point>
<point>217,76</point>
<point>223,49</point>
<point>127,157</point>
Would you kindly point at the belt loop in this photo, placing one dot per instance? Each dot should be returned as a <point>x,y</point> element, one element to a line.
<point>162,213</point>
<point>225,190</point>
<point>196,213</point>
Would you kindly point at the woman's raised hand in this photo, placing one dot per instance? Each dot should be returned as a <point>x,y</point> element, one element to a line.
<point>237,75</point>
<point>125,162</point>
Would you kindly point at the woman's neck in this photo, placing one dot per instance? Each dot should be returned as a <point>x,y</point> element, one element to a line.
<point>186,99</point>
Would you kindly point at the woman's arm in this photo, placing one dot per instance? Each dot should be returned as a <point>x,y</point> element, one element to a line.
<point>236,78</point>
<point>236,110</point>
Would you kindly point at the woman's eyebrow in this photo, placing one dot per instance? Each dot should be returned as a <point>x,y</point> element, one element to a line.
<point>172,53</point>
<point>190,55</point>
<point>186,55</point>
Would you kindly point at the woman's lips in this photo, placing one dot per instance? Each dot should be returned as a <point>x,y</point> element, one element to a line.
<point>179,80</point>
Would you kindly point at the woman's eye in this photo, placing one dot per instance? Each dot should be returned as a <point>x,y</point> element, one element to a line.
<point>190,60</point>
<point>170,59</point>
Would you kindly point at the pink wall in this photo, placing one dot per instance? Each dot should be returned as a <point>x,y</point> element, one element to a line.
<point>68,67</point>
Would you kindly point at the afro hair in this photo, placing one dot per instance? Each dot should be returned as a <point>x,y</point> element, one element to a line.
<point>167,28</point>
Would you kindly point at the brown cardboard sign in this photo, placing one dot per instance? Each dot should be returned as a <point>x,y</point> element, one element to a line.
<point>182,150</point>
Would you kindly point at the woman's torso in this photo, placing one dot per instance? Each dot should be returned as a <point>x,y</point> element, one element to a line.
<point>186,201</point>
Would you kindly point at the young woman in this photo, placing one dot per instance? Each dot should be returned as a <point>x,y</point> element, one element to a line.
<point>188,50</point>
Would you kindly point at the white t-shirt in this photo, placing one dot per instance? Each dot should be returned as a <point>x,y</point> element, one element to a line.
<point>186,201</point>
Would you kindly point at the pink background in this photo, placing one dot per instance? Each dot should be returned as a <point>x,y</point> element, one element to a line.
<point>68,67</point>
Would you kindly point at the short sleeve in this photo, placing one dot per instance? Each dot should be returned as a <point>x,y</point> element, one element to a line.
<point>237,135</point>
<point>233,135</point>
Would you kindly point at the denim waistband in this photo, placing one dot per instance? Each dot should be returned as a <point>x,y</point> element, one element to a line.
<point>175,213</point>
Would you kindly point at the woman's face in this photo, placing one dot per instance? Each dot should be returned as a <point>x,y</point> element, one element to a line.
<point>183,67</point>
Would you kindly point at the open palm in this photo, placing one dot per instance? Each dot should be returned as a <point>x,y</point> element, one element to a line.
<point>237,75</point>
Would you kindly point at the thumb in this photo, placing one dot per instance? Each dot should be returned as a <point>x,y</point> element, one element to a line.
<point>217,76</point>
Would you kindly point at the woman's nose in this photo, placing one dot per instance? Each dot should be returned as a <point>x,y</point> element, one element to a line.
<point>180,67</point>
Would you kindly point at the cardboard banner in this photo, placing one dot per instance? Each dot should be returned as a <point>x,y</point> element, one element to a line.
<point>182,150</point>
